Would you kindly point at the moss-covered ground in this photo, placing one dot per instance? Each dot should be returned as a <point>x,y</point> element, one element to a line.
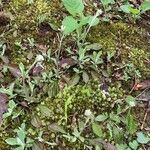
<point>60,106</point>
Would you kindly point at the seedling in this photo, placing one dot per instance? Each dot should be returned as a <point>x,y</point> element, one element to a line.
<point>21,140</point>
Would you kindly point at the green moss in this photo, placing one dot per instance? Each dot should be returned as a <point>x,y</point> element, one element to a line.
<point>19,57</point>
<point>3,145</point>
<point>74,101</point>
<point>125,41</point>
<point>26,16</point>
<point>30,21</point>
<point>140,58</point>
<point>82,97</point>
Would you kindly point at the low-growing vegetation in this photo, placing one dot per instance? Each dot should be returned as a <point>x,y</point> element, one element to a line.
<point>74,75</point>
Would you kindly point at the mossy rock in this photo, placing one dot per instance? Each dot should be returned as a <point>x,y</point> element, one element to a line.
<point>124,40</point>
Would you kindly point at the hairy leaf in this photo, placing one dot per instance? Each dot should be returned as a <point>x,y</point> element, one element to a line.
<point>101,118</point>
<point>131,124</point>
<point>75,80</point>
<point>134,145</point>
<point>145,6</point>
<point>106,2</point>
<point>74,6</point>
<point>85,76</point>
<point>97,129</point>
<point>141,138</point>
<point>56,128</point>
<point>70,24</point>
<point>11,141</point>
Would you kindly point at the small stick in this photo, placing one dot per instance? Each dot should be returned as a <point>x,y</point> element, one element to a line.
<point>135,84</point>
<point>143,147</point>
<point>145,116</point>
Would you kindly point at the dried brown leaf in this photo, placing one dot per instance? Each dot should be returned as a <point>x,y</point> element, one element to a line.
<point>30,55</point>
<point>39,146</point>
<point>142,85</point>
<point>1,66</point>
<point>5,59</point>
<point>108,146</point>
<point>42,48</point>
<point>144,96</point>
<point>36,121</point>
<point>3,105</point>
<point>14,70</point>
<point>1,75</point>
<point>37,70</point>
<point>67,62</point>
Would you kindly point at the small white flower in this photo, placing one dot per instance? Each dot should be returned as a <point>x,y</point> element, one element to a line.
<point>88,112</point>
<point>39,58</point>
<point>99,12</point>
<point>62,28</point>
<point>132,104</point>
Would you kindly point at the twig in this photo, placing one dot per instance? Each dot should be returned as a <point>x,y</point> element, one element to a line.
<point>135,84</point>
<point>145,116</point>
<point>143,147</point>
<point>141,93</point>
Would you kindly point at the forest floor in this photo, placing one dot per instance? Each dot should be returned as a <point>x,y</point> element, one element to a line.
<point>74,75</point>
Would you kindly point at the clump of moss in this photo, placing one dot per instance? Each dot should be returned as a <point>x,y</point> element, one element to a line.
<point>74,100</point>
<point>26,16</point>
<point>81,97</point>
<point>113,35</point>
<point>140,59</point>
<point>29,21</point>
<point>125,41</point>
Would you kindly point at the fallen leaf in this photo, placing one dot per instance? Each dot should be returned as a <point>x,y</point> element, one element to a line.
<point>30,55</point>
<point>144,96</point>
<point>67,62</point>
<point>1,13</point>
<point>74,80</point>
<point>1,75</point>
<point>108,146</point>
<point>5,59</point>
<point>142,85</point>
<point>24,104</point>
<point>44,28</point>
<point>36,121</point>
<point>3,105</point>
<point>38,146</point>
<point>100,142</point>
<point>136,2</point>
<point>85,77</point>
<point>1,66</point>
<point>56,128</point>
<point>14,70</point>
<point>37,70</point>
<point>42,48</point>
<point>4,20</point>
<point>95,46</point>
